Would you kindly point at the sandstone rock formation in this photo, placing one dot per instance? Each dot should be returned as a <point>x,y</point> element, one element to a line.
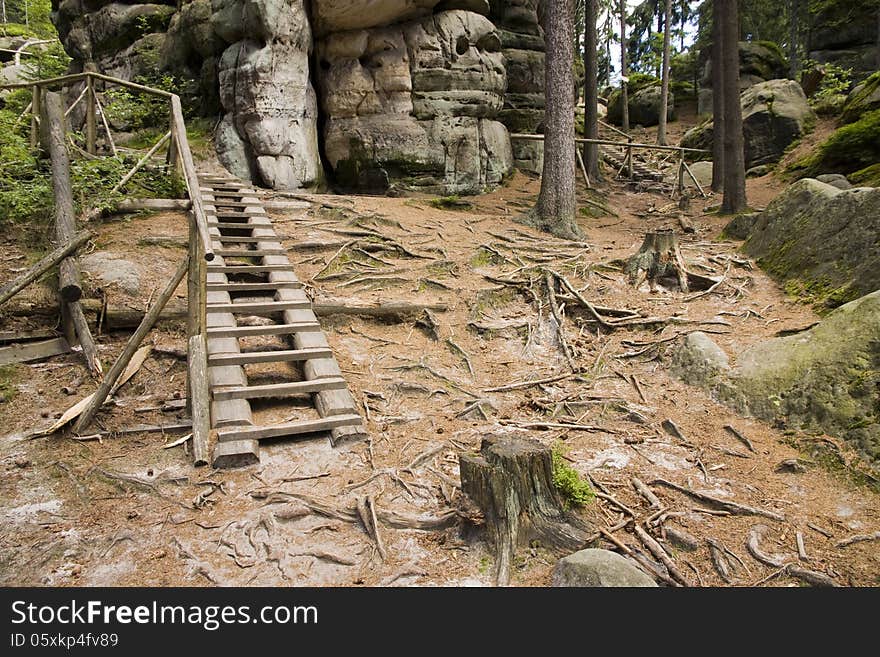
<point>759,61</point>
<point>844,32</point>
<point>644,106</point>
<point>775,113</point>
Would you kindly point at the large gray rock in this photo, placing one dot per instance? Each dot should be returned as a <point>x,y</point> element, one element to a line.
<point>698,360</point>
<point>415,103</point>
<point>599,568</point>
<point>820,240</point>
<point>864,97</point>
<point>775,113</point>
<point>644,107</point>
<point>759,61</point>
<point>103,268</point>
<point>835,180</point>
<point>844,32</point>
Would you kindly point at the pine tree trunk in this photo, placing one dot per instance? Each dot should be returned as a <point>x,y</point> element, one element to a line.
<point>717,102</point>
<point>556,208</point>
<point>734,157</point>
<point>591,87</point>
<point>793,18</point>
<point>624,92</point>
<point>664,84</point>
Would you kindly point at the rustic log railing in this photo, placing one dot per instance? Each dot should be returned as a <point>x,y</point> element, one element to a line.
<point>629,146</point>
<point>179,158</point>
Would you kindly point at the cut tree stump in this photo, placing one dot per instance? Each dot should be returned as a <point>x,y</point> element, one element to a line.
<point>511,481</point>
<point>658,258</point>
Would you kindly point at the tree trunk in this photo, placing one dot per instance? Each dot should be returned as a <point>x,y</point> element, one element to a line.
<point>658,258</point>
<point>664,84</point>
<point>591,87</point>
<point>734,157</point>
<point>793,19</point>
<point>511,481</point>
<point>624,92</point>
<point>717,103</point>
<point>556,208</point>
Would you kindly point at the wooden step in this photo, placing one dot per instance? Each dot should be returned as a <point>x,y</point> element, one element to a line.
<point>234,204</point>
<point>236,454</point>
<point>248,269</point>
<point>247,287</point>
<point>237,225</point>
<point>253,357</point>
<point>258,212</point>
<point>258,307</point>
<point>249,253</point>
<point>271,329</point>
<point>279,389</point>
<point>245,240</point>
<point>288,429</point>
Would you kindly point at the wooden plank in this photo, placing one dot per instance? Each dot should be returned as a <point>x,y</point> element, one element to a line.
<point>238,215</point>
<point>233,412</point>
<point>286,356</point>
<point>241,239</point>
<point>26,336</point>
<point>236,225</point>
<point>248,253</point>
<point>91,125</point>
<point>236,204</point>
<point>249,269</point>
<point>273,329</point>
<point>258,307</point>
<point>278,389</point>
<point>26,353</point>
<point>199,399</point>
<point>247,287</point>
<point>288,429</point>
<point>236,454</point>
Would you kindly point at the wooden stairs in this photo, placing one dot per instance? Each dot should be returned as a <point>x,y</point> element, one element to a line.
<point>260,318</point>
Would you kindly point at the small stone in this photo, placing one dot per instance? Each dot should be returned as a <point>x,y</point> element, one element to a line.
<point>698,360</point>
<point>602,568</point>
<point>131,515</point>
<point>21,462</point>
<point>791,465</point>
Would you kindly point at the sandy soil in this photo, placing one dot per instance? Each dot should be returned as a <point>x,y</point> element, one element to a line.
<point>125,511</point>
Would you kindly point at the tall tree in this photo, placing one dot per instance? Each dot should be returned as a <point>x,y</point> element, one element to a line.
<point>664,83</point>
<point>734,157</point>
<point>794,29</point>
<point>624,95</point>
<point>717,104</point>
<point>556,208</point>
<point>591,87</point>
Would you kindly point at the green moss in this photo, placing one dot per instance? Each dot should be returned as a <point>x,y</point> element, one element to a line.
<point>450,203</point>
<point>867,177</point>
<point>821,294</point>
<point>575,491</point>
<point>849,149</point>
<point>8,376</point>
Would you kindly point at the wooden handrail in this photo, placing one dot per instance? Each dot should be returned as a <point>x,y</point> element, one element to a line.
<point>76,77</point>
<point>620,144</point>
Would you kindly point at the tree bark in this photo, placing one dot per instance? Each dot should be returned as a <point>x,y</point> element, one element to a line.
<point>659,257</point>
<point>793,20</point>
<point>717,103</point>
<point>555,211</point>
<point>664,83</point>
<point>591,87</point>
<point>734,157</point>
<point>624,93</point>
<point>511,481</point>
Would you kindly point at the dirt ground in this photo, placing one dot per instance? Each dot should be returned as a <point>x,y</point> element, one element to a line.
<point>127,511</point>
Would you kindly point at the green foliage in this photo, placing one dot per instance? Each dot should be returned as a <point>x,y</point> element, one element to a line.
<point>639,81</point>
<point>131,110</point>
<point>568,481</point>
<point>8,376</point>
<point>851,148</point>
<point>36,13</point>
<point>835,83</point>
<point>25,192</point>
<point>47,61</point>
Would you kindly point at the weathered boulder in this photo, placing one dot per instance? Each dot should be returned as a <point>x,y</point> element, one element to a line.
<point>864,98</point>
<point>415,103</point>
<point>821,241</point>
<point>644,106</point>
<point>742,225</point>
<point>599,568</point>
<point>266,92</point>
<point>759,61</point>
<point>340,15</point>
<point>844,32</point>
<point>775,113</point>
<point>104,268</point>
<point>698,360</point>
<point>825,378</point>
<point>835,180</point>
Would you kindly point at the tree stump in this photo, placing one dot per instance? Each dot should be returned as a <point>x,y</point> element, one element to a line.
<point>658,258</point>
<point>511,481</point>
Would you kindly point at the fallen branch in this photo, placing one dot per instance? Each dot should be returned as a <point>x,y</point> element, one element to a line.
<point>858,538</point>
<point>736,434</point>
<point>657,550</point>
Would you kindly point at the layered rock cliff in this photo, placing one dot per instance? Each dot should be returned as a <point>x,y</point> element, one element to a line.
<point>367,94</point>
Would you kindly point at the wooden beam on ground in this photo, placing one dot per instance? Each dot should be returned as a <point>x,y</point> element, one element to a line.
<point>141,162</point>
<point>131,347</point>
<point>46,263</point>
<point>25,353</point>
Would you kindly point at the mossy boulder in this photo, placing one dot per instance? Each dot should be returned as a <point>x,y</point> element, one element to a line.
<point>826,378</point>
<point>849,149</point>
<point>864,98</point>
<point>775,113</point>
<point>823,243</point>
<point>644,106</point>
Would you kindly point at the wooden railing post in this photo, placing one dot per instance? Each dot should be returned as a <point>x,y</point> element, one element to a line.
<point>680,188</point>
<point>91,125</point>
<point>198,395</point>
<point>629,158</point>
<point>35,116</point>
